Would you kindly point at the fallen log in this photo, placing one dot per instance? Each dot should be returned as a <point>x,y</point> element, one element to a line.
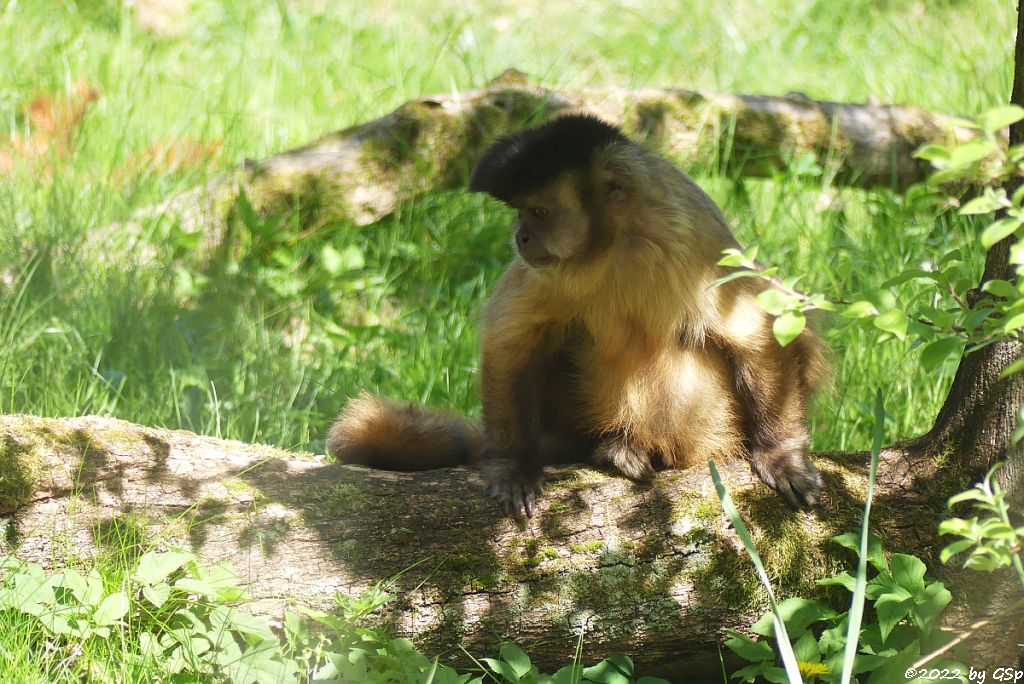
<point>363,173</point>
<point>654,571</point>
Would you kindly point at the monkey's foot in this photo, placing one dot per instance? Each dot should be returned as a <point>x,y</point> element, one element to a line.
<point>516,490</point>
<point>788,470</point>
<point>632,462</point>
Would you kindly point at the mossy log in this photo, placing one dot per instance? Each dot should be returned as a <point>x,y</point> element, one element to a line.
<point>652,571</point>
<point>363,173</point>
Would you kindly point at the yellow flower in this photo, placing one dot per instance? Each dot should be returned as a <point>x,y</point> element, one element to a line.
<point>812,669</point>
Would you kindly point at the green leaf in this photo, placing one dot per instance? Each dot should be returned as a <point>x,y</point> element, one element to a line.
<point>928,606</point>
<point>976,318</point>
<point>502,669</point>
<point>747,648</point>
<point>996,119</point>
<point>953,549</point>
<point>843,579</point>
<point>155,567</point>
<point>998,230</point>
<point>986,203</point>
<point>1015,367</point>
<point>1013,323</point>
<point>937,352</point>
<point>247,623</point>
<point>806,649</point>
<point>74,582</point>
<point>893,321</point>
<point>623,663</point>
<point>788,327</point>
<point>797,613</point>
<point>194,586</point>
<point>971,152</point>
<point>605,672</point>
<point>860,309</point>
<point>514,656</point>
<point>908,571</point>
<point>891,607</point>
<point>157,594</point>
<point>250,219</point>
<point>936,154</point>
<point>112,609</point>
<point>349,259</point>
<point>774,301</point>
<point>910,274</point>
<point>1000,288</point>
<point>750,673</point>
<point>883,299</point>
<point>149,645</point>
<point>732,257</point>
<point>894,667</point>
<point>947,176</point>
<point>735,275</point>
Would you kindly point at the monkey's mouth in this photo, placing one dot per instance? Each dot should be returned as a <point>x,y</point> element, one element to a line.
<point>539,261</point>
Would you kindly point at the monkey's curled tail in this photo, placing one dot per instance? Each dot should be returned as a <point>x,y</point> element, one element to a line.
<point>394,435</point>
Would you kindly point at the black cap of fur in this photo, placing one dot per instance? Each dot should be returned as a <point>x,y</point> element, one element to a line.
<point>529,160</point>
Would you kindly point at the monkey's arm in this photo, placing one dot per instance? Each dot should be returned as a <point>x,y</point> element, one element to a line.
<point>516,341</point>
<point>773,384</point>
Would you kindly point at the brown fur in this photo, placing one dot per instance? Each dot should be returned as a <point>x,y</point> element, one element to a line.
<point>395,436</point>
<point>604,338</point>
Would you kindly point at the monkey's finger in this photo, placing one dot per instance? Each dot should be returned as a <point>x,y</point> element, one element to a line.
<point>529,502</point>
<point>784,488</point>
<point>810,489</point>
<point>519,509</point>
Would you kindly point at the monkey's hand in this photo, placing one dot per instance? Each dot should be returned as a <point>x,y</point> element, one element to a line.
<point>787,468</point>
<point>515,487</point>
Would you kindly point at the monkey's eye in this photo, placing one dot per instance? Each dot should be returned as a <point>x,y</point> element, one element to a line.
<point>538,212</point>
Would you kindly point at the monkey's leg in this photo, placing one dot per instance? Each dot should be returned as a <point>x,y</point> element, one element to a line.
<point>629,460</point>
<point>519,343</point>
<point>769,383</point>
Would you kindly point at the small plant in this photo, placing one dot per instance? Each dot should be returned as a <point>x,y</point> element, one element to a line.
<point>172,617</point>
<point>174,620</point>
<point>990,541</point>
<point>905,607</point>
<point>514,667</point>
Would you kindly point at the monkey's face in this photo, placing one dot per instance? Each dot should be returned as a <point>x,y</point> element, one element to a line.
<point>553,227</point>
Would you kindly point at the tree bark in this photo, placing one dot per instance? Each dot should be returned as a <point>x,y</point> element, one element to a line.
<point>363,173</point>
<point>652,571</point>
<point>974,429</point>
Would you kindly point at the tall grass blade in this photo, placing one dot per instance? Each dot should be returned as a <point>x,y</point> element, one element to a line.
<point>785,649</point>
<point>857,603</point>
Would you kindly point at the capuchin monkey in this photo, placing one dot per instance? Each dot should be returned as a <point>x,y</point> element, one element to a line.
<point>604,339</point>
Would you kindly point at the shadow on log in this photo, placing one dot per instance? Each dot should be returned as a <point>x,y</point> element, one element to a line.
<point>652,571</point>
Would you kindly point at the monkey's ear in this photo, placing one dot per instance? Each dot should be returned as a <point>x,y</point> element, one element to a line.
<point>618,175</point>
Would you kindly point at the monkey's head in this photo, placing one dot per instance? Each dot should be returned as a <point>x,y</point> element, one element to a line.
<point>560,180</point>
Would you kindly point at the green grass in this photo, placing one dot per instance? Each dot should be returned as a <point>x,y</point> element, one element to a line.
<point>269,350</point>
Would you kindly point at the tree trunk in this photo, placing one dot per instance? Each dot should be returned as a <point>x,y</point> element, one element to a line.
<point>363,173</point>
<point>974,429</point>
<point>652,571</point>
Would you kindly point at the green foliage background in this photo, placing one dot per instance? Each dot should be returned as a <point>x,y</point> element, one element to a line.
<point>269,350</point>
